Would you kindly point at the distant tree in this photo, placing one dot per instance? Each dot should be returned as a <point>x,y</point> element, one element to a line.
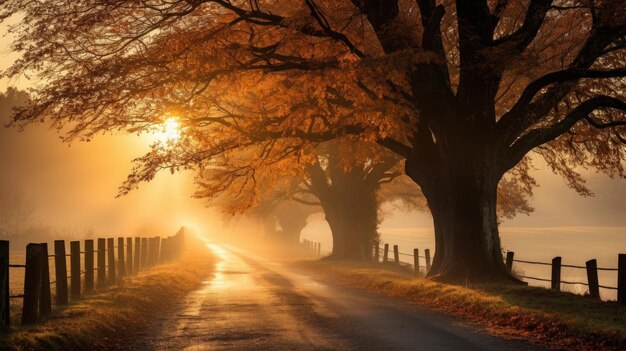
<point>342,181</point>
<point>291,216</point>
<point>18,212</point>
<point>349,191</point>
<point>463,90</point>
<point>9,100</point>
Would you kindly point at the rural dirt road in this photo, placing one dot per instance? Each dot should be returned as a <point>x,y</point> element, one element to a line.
<point>254,304</point>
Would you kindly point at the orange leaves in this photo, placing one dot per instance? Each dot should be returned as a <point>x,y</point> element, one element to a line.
<point>267,81</point>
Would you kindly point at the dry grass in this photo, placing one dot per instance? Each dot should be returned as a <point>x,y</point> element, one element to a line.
<point>106,318</point>
<point>552,319</point>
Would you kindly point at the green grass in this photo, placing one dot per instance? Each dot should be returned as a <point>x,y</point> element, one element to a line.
<point>552,319</point>
<point>109,317</point>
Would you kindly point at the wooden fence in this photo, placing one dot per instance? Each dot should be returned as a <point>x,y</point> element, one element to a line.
<point>591,267</point>
<point>133,255</point>
<point>311,247</point>
<point>555,280</point>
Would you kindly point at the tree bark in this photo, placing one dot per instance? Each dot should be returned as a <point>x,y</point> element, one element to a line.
<point>462,198</point>
<point>350,202</point>
<point>352,214</point>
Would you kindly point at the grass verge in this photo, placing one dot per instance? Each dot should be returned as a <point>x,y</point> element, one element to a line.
<point>555,320</point>
<point>106,318</point>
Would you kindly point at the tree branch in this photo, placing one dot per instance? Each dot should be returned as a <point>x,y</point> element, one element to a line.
<point>512,125</point>
<point>551,78</point>
<point>535,15</point>
<point>305,202</point>
<point>540,136</point>
<point>321,20</point>
<point>396,146</point>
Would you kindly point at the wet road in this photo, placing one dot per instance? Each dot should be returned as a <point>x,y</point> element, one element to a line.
<point>254,304</point>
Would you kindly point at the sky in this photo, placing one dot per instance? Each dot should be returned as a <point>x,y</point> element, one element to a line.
<point>75,185</point>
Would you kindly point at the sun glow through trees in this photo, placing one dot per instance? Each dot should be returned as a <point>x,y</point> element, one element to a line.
<point>169,131</point>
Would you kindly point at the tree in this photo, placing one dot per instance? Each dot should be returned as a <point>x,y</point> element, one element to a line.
<point>279,210</point>
<point>18,212</point>
<point>463,90</point>
<point>342,179</point>
<point>349,191</point>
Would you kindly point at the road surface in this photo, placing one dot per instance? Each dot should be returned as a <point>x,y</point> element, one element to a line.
<point>254,304</point>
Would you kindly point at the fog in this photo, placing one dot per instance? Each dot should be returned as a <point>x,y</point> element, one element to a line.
<point>73,187</point>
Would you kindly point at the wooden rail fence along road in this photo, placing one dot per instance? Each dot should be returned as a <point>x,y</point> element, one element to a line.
<point>37,297</point>
<point>555,280</point>
<point>311,247</point>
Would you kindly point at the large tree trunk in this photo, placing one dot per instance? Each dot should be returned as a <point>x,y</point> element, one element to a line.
<point>292,224</point>
<point>462,199</point>
<point>350,204</point>
<point>352,215</point>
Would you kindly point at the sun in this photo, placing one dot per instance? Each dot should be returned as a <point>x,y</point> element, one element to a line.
<point>169,130</point>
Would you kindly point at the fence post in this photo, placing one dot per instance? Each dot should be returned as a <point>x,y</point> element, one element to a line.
<point>509,260</point>
<point>75,269</point>
<point>60,272</point>
<point>5,320</point>
<point>396,255</point>
<point>556,273</point>
<point>164,248</point>
<point>592,278</point>
<point>416,261</point>
<point>427,258</point>
<point>386,253</point>
<point>102,276</point>
<point>376,251</point>
<point>621,278</point>
<point>45,299</point>
<point>171,247</point>
<point>151,246</point>
<point>89,272</point>
<point>157,250</point>
<point>111,259</point>
<point>129,256</point>
<point>145,252</point>
<point>156,247</point>
<point>137,259</point>
<point>32,283</point>
<point>121,269</point>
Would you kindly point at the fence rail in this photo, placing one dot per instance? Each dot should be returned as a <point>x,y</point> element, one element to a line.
<point>37,302</point>
<point>555,280</point>
<point>591,268</point>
